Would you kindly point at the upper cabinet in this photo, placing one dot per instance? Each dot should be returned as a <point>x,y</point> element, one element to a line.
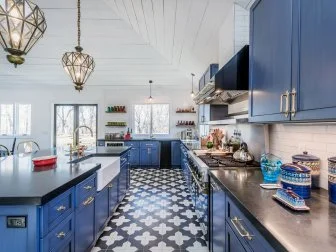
<point>293,60</point>
<point>314,61</point>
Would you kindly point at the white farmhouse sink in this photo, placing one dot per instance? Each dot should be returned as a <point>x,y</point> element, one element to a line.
<point>110,167</point>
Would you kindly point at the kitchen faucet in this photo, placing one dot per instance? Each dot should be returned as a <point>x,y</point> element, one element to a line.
<point>75,133</point>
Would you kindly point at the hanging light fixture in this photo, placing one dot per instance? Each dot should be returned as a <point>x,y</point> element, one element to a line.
<point>22,24</point>
<point>77,64</point>
<point>192,94</point>
<point>150,98</point>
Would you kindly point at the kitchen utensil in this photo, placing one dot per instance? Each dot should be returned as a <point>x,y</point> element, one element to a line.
<point>44,160</point>
<point>332,179</point>
<point>270,186</point>
<point>313,163</point>
<point>297,177</point>
<point>270,167</point>
<point>290,199</point>
<point>243,155</point>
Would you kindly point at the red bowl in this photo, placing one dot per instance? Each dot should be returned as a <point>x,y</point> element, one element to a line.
<point>45,160</point>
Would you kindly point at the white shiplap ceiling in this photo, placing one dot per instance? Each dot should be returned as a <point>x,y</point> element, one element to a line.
<point>132,41</point>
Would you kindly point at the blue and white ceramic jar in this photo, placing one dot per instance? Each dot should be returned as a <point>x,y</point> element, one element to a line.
<point>298,178</point>
<point>313,163</point>
<point>332,179</point>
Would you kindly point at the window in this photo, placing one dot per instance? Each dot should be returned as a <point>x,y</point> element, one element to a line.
<point>153,117</point>
<point>15,119</point>
<point>68,118</point>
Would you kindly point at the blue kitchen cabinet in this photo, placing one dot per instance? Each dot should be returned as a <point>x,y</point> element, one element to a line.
<point>85,214</point>
<point>134,158</point>
<point>175,153</point>
<point>113,195</point>
<point>217,232</point>
<point>123,176</point>
<point>150,153</point>
<point>232,242</point>
<point>270,59</point>
<point>314,61</point>
<point>101,210</point>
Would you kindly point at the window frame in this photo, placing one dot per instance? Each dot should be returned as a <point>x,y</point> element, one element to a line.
<point>16,120</point>
<point>76,118</point>
<point>151,119</point>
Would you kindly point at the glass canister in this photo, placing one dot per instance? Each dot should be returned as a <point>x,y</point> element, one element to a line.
<point>298,178</point>
<point>332,179</point>
<point>270,167</point>
<point>313,163</point>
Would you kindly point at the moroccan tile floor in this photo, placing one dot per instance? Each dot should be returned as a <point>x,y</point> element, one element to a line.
<point>156,215</point>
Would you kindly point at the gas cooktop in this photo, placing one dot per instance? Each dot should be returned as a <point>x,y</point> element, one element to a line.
<point>214,161</point>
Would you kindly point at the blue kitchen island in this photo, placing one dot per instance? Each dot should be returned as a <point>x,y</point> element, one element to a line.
<point>62,207</point>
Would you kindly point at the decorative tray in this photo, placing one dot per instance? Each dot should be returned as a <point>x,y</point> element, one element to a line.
<point>291,200</point>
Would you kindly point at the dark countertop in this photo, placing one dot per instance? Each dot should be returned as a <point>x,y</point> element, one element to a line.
<point>309,231</point>
<point>21,185</point>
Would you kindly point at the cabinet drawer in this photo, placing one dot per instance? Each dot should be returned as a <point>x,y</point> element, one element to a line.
<point>60,237</point>
<point>244,230</point>
<point>135,144</point>
<point>56,210</point>
<point>85,189</point>
<point>149,144</point>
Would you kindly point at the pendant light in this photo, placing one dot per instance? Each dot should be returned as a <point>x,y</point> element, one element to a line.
<point>150,98</point>
<point>77,64</point>
<point>192,94</point>
<point>22,24</point>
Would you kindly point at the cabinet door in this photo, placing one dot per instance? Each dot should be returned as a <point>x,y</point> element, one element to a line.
<point>85,225</point>
<point>316,53</point>
<point>145,157</point>
<point>217,218</point>
<point>270,58</point>
<point>155,156</point>
<point>206,113</point>
<point>232,242</point>
<point>101,209</point>
<point>113,195</point>
<point>122,182</point>
<point>134,156</point>
<point>175,153</point>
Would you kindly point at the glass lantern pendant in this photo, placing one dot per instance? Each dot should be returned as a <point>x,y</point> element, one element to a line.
<point>22,24</point>
<point>77,64</point>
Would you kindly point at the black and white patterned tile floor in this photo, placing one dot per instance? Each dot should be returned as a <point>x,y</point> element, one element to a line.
<point>157,215</point>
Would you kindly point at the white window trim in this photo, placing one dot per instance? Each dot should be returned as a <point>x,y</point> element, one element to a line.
<point>16,121</point>
<point>151,120</point>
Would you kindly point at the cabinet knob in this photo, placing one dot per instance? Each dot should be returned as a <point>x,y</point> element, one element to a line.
<point>61,235</point>
<point>87,187</point>
<point>110,186</point>
<point>60,208</point>
<point>88,201</point>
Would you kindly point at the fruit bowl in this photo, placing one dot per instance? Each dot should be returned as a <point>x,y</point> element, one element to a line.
<point>44,160</point>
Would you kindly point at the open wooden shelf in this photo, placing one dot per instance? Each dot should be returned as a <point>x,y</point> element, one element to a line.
<point>179,112</point>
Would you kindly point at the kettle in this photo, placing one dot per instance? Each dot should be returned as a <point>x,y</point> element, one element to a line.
<point>243,155</point>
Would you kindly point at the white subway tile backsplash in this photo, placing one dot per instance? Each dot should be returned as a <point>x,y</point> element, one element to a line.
<point>287,140</point>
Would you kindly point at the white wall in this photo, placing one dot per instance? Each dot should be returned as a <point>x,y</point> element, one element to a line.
<point>317,139</point>
<point>43,99</point>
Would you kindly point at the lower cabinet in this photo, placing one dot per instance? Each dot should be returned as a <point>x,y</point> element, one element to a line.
<point>150,153</point>
<point>230,229</point>
<point>217,218</point>
<point>101,209</point>
<point>113,195</point>
<point>123,181</point>
<point>85,225</point>
<point>232,242</point>
<point>175,153</point>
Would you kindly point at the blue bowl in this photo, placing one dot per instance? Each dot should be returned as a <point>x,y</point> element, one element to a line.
<point>270,172</point>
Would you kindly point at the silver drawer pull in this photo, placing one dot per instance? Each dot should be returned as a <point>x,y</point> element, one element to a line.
<point>60,208</point>
<point>88,201</point>
<point>87,187</point>
<point>241,230</point>
<point>61,235</point>
<point>123,159</point>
